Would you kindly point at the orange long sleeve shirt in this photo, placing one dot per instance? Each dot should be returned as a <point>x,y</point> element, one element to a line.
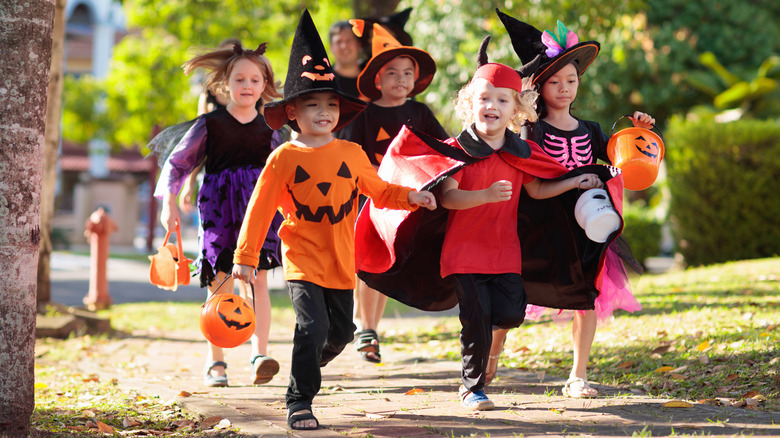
<point>316,190</point>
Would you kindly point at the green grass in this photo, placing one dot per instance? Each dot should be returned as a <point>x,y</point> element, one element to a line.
<point>716,326</point>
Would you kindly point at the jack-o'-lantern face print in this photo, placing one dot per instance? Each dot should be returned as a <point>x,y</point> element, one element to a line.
<point>324,192</point>
<point>235,314</point>
<point>645,147</point>
<point>316,70</point>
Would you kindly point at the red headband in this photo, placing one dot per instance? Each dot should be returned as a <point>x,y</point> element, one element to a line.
<point>500,75</point>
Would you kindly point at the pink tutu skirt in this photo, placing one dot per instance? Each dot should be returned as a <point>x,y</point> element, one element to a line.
<point>614,293</point>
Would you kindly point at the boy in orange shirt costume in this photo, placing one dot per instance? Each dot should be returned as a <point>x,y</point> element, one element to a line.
<point>315,181</point>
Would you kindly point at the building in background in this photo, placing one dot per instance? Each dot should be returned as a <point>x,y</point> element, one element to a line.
<point>91,175</point>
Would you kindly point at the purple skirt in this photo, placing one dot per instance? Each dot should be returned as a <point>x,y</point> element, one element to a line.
<point>222,203</point>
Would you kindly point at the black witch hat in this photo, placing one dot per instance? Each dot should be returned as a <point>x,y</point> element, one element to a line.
<point>544,53</point>
<point>309,71</point>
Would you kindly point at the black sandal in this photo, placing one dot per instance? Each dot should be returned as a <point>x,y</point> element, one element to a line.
<point>367,344</point>
<point>294,416</point>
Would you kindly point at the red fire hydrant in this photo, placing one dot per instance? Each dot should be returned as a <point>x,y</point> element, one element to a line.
<point>99,227</point>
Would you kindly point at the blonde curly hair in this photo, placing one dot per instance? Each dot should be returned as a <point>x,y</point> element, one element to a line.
<point>525,102</point>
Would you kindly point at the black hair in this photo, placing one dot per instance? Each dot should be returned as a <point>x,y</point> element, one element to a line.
<point>337,27</point>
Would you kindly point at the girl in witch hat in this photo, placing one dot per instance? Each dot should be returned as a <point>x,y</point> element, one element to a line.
<point>233,142</point>
<point>555,61</point>
<point>315,180</point>
<point>392,75</point>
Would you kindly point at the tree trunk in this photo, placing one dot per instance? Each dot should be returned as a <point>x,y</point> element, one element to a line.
<point>374,8</point>
<point>25,48</point>
<point>50,147</point>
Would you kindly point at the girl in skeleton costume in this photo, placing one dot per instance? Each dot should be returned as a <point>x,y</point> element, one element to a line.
<point>556,63</point>
<point>233,142</point>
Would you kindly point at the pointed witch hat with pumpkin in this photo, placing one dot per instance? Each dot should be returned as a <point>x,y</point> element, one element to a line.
<point>309,71</point>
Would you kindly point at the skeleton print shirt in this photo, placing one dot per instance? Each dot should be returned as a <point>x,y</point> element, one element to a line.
<point>582,146</point>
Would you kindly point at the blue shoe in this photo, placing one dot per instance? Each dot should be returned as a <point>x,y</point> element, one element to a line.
<point>475,401</point>
<point>215,381</point>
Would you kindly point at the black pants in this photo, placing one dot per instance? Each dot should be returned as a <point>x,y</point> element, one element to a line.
<point>486,300</point>
<point>323,327</point>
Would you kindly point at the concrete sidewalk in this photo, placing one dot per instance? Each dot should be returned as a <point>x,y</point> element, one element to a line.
<point>360,399</point>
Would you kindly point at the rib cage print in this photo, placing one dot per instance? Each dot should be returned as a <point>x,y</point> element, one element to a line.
<point>571,155</point>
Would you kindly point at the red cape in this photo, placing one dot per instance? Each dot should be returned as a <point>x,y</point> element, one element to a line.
<point>397,251</point>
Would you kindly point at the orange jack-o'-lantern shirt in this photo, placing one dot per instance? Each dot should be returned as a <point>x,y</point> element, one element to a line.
<point>316,190</point>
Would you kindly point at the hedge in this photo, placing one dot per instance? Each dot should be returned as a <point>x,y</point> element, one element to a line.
<point>724,180</point>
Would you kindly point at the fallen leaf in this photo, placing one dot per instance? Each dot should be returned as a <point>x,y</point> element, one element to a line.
<point>223,424</point>
<point>557,410</point>
<point>88,413</point>
<point>377,416</point>
<point>662,349</point>
<point>208,423</point>
<point>677,404</point>
<point>40,385</point>
<point>738,403</point>
<point>130,422</point>
<point>772,327</point>
<point>731,377</point>
<point>184,394</point>
<point>414,391</point>
<point>677,376</point>
<point>680,369</point>
<point>661,333</point>
<point>91,378</point>
<point>184,424</point>
<point>703,346</point>
<point>522,349</point>
<point>662,370</point>
<point>627,364</point>
<point>711,402</point>
<point>105,428</point>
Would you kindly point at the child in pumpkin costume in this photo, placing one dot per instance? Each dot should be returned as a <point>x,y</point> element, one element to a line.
<point>392,75</point>
<point>315,181</point>
<point>556,62</point>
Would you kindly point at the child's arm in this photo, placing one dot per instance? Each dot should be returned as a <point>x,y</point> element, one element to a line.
<point>169,214</point>
<point>454,198</point>
<point>257,219</point>
<point>642,120</point>
<point>543,189</point>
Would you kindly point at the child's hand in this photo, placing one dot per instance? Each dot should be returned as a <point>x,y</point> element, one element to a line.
<point>169,214</point>
<point>588,181</point>
<point>244,273</point>
<point>642,120</point>
<point>423,199</point>
<point>499,191</point>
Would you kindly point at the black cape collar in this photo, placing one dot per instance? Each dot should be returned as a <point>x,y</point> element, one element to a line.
<point>477,148</point>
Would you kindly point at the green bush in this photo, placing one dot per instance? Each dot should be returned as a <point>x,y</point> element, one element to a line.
<point>642,231</point>
<point>724,179</point>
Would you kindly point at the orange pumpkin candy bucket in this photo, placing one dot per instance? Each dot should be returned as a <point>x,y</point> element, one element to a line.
<point>226,320</point>
<point>638,153</point>
<point>170,268</point>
